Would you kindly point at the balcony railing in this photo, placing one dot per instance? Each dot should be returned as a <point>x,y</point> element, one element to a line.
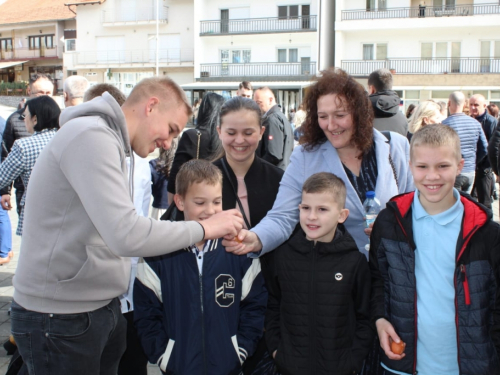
<point>422,12</point>
<point>263,69</point>
<point>134,15</point>
<point>464,65</point>
<point>28,54</point>
<point>166,56</point>
<point>258,25</point>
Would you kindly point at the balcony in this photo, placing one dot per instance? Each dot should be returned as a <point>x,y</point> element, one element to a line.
<point>171,56</point>
<point>422,12</point>
<point>464,65</point>
<point>270,71</point>
<point>258,26</point>
<point>133,16</point>
<point>28,54</point>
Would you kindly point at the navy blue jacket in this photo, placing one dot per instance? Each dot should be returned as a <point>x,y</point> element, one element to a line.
<point>477,285</point>
<point>192,323</point>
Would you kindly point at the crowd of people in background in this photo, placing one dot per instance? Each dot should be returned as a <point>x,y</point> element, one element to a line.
<point>244,247</point>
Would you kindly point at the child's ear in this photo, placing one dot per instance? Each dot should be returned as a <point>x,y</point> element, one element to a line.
<point>179,202</point>
<point>343,214</point>
<point>460,166</point>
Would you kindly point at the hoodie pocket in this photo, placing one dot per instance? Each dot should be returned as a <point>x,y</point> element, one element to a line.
<point>102,276</point>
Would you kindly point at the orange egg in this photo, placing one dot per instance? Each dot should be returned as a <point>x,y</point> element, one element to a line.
<point>237,239</point>
<point>398,348</point>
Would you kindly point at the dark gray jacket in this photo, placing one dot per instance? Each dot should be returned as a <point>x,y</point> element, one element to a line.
<point>276,145</point>
<point>387,113</point>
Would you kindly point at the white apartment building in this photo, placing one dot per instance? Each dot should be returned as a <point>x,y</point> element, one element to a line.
<point>116,41</point>
<point>433,47</point>
<point>267,42</point>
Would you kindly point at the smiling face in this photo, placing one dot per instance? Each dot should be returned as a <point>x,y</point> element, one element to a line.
<point>201,201</point>
<point>240,133</point>
<point>434,172</point>
<point>320,215</point>
<point>335,121</point>
<point>159,127</point>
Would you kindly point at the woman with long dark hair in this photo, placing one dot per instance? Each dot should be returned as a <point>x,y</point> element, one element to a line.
<point>202,142</point>
<point>41,116</point>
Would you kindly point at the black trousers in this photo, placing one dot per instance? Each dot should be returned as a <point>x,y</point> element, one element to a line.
<point>134,361</point>
<point>484,184</point>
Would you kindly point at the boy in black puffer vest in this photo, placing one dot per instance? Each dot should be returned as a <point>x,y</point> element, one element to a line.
<point>318,317</point>
<point>435,262</point>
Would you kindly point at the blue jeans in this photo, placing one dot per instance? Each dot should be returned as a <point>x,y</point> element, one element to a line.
<point>89,343</point>
<point>5,234</point>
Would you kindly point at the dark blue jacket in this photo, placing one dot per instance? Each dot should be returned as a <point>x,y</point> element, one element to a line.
<point>192,323</point>
<point>477,285</point>
<point>158,186</point>
<point>489,124</point>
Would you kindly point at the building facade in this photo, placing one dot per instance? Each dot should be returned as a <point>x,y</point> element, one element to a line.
<point>432,47</point>
<point>117,41</point>
<point>32,39</point>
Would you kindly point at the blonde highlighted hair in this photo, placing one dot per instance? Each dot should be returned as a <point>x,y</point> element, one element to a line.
<point>425,109</point>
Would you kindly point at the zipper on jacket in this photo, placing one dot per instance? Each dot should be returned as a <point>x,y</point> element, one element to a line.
<point>203,325</point>
<point>313,313</point>
<point>466,284</point>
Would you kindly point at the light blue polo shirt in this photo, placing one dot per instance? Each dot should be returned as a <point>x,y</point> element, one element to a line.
<point>436,239</point>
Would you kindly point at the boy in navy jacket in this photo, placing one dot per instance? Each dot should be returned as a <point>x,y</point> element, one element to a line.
<point>199,310</point>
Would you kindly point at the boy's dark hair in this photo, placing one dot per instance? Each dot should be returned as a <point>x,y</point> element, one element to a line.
<point>381,79</point>
<point>245,85</point>
<point>46,111</point>
<point>99,89</point>
<point>194,172</point>
<point>326,182</point>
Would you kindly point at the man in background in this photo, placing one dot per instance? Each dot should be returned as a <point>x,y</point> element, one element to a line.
<point>74,89</point>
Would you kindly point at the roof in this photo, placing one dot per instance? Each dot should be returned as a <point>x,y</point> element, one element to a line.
<point>14,11</point>
<point>85,2</point>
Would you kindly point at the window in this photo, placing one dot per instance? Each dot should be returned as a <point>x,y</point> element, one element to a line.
<point>70,45</point>
<point>292,53</point>
<point>379,50</point>
<point>372,5</point>
<point>41,41</point>
<point>439,50</point>
<point>288,11</point>
<point>237,56</point>
<point>6,44</point>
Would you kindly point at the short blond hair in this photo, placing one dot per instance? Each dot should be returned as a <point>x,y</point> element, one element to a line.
<point>436,135</point>
<point>326,182</point>
<point>163,88</point>
<point>194,172</point>
<point>425,109</point>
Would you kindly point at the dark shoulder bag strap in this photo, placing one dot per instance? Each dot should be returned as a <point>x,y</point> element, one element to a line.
<point>387,134</point>
<point>235,191</point>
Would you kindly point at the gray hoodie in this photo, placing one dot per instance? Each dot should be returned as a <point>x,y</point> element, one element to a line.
<point>80,220</point>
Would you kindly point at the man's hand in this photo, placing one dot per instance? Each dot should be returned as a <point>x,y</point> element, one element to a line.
<point>246,242</point>
<point>223,224</point>
<point>5,202</point>
<point>385,331</point>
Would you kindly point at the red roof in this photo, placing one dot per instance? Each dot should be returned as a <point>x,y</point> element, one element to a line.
<point>15,11</point>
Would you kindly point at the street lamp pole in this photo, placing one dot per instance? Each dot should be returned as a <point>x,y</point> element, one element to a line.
<point>157,37</point>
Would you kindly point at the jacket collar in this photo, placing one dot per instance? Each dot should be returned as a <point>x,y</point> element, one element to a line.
<point>342,242</point>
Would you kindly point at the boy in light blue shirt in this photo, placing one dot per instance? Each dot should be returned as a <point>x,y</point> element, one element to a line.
<point>435,257</point>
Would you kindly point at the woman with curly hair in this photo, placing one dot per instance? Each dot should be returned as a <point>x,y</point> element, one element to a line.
<point>339,138</point>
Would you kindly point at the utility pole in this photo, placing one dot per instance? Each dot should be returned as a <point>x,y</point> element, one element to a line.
<point>326,50</point>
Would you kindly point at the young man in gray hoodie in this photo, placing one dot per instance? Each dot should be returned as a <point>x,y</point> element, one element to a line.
<point>81,227</point>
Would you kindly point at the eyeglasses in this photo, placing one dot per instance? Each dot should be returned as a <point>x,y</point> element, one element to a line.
<point>22,117</point>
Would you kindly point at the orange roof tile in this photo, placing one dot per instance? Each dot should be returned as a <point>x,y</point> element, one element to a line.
<point>15,11</point>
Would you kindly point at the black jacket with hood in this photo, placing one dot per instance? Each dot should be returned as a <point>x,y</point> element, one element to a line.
<point>318,312</point>
<point>387,114</point>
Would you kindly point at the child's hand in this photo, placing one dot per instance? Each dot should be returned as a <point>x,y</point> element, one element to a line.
<point>385,331</point>
<point>368,231</point>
